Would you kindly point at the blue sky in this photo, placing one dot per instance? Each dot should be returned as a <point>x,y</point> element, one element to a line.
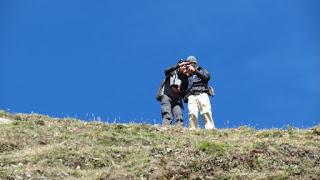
<point>106,58</point>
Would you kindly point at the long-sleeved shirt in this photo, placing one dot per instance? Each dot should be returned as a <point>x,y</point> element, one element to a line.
<point>198,81</point>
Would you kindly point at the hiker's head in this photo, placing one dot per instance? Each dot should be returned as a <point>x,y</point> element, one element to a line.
<point>192,60</point>
<point>181,61</point>
<point>192,65</point>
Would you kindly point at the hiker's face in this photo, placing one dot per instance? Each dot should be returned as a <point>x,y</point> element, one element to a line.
<point>183,67</point>
<point>191,69</point>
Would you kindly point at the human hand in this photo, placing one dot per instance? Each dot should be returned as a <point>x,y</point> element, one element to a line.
<point>191,69</point>
<point>183,67</point>
<point>183,64</point>
<point>176,89</point>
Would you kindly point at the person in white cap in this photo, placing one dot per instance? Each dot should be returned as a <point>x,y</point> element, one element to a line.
<point>197,95</point>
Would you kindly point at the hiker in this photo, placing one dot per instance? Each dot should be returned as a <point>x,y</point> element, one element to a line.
<point>197,95</point>
<point>170,94</point>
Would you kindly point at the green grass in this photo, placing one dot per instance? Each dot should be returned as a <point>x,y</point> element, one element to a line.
<point>212,148</point>
<point>37,146</point>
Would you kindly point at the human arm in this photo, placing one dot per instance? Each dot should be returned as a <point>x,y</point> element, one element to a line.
<point>180,66</point>
<point>203,74</point>
<point>169,70</point>
<point>200,72</point>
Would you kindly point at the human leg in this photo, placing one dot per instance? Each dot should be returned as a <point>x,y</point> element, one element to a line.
<point>193,112</point>
<point>166,110</point>
<point>177,112</point>
<point>205,111</point>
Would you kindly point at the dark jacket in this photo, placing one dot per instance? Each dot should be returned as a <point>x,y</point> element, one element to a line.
<point>198,81</point>
<point>173,77</point>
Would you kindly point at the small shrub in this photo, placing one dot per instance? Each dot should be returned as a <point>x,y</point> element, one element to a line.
<point>216,149</point>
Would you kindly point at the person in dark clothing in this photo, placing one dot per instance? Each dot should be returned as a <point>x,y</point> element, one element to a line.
<point>197,95</point>
<point>171,92</point>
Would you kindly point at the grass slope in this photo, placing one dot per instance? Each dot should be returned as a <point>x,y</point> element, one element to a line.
<point>37,146</point>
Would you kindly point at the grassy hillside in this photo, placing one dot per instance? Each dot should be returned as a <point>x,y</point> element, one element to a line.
<point>37,146</point>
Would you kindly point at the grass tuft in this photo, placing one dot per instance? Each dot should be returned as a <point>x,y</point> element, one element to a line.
<point>212,148</point>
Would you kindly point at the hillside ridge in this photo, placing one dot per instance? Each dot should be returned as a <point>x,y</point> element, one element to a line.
<point>37,146</point>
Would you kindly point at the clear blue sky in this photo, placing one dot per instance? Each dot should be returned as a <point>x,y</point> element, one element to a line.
<point>77,58</point>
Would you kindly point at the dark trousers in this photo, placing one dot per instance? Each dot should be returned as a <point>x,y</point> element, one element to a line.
<point>171,106</point>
